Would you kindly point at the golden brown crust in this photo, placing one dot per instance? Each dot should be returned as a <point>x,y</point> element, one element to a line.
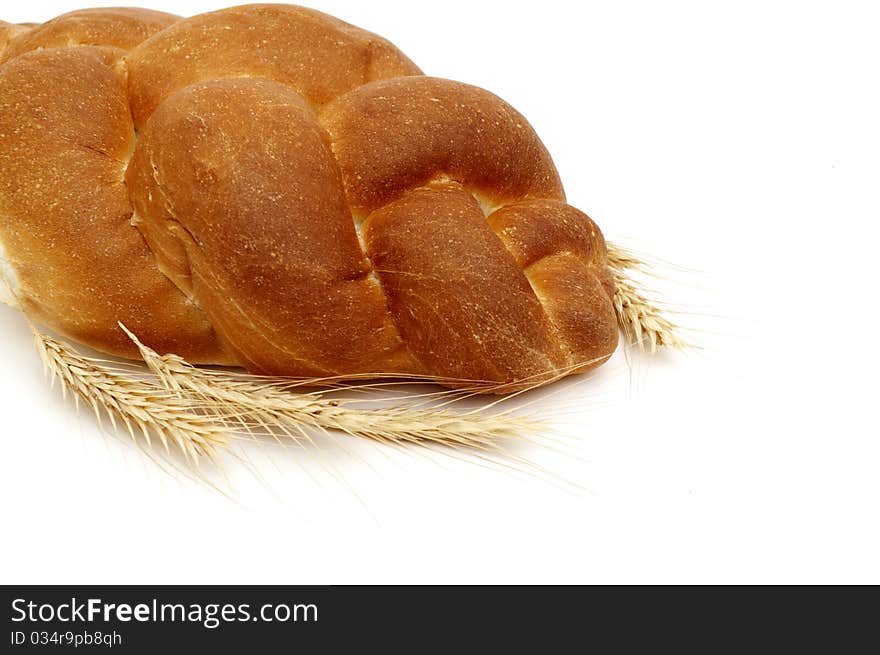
<point>299,201</point>
<point>66,135</point>
<point>562,252</point>
<point>398,134</point>
<point>462,304</point>
<point>268,237</point>
<point>8,32</point>
<point>272,41</point>
<point>119,27</point>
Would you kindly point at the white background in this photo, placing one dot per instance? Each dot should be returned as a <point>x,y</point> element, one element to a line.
<point>741,140</point>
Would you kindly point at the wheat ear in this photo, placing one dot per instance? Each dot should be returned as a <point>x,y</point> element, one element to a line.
<point>247,402</point>
<point>142,406</point>
<point>642,322</point>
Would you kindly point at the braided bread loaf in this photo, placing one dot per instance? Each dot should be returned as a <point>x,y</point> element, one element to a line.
<point>269,187</point>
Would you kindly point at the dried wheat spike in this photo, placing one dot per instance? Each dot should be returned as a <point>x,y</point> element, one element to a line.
<point>140,404</point>
<point>641,321</point>
<point>243,401</point>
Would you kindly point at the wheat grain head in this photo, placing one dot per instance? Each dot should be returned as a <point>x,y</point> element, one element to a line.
<point>141,405</point>
<point>247,402</point>
<point>643,323</point>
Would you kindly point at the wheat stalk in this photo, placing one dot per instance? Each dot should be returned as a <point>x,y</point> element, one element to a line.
<point>242,401</point>
<point>196,408</point>
<point>641,321</point>
<point>142,406</point>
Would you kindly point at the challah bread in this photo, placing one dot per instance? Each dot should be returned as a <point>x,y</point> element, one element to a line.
<point>269,187</point>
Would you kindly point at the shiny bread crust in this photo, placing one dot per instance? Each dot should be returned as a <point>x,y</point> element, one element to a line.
<point>269,187</point>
